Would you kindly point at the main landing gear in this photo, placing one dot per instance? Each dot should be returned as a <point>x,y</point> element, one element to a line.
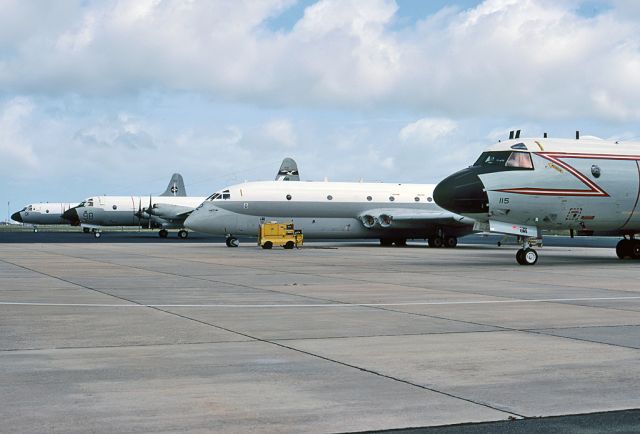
<point>398,242</point>
<point>527,255</point>
<point>438,241</point>
<point>163,233</point>
<point>232,241</point>
<point>628,248</point>
<point>183,234</point>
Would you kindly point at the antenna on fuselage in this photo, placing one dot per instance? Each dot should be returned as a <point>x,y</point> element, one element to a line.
<point>511,135</point>
<point>577,135</point>
<point>545,135</point>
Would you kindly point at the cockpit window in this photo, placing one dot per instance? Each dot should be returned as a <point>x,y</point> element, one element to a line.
<point>90,202</point>
<point>513,160</point>
<point>30,208</point>
<point>220,195</point>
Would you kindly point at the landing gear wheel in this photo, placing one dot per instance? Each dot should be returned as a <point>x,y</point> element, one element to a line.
<point>232,242</point>
<point>289,245</point>
<point>35,230</point>
<point>527,256</point>
<point>268,245</point>
<point>86,230</point>
<point>386,242</point>
<point>163,233</point>
<point>183,234</point>
<point>97,234</point>
<point>635,249</point>
<point>435,241</point>
<point>400,242</point>
<point>624,249</point>
<point>450,242</point>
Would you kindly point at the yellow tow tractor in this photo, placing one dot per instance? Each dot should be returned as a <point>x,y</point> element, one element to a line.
<point>279,234</point>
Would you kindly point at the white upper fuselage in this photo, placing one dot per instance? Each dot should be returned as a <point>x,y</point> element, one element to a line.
<point>321,209</point>
<point>122,210</point>
<point>586,185</point>
<point>44,213</point>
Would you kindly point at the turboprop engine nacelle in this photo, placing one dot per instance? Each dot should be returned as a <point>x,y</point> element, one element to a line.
<point>385,220</point>
<point>368,221</point>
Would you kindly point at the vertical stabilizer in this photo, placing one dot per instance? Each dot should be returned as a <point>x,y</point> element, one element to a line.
<point>175,187</point>
<point>288,171</point>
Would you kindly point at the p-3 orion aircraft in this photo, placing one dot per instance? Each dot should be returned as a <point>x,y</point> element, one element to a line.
<point>166,211</point>
<point>524,186</point>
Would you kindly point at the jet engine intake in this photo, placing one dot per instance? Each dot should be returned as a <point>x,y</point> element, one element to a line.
<point>368,221</point>
<point>385,220</point>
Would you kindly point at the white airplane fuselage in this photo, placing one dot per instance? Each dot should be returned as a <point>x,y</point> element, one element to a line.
<point>327,210</point>
<point>124,210</point>
<point>44,213</point>
<point>584,185</point>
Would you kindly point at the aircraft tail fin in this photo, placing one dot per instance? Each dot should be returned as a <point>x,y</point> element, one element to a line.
<point>288,171</point>
<point>175,187</point>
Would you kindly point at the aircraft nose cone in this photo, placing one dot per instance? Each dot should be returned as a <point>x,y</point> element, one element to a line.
<point>195,221</point>
<point>462,193</point>
<point>71,215</point>
<point>16,217</point>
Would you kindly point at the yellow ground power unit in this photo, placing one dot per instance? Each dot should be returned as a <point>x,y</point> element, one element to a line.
<point>279,234</point>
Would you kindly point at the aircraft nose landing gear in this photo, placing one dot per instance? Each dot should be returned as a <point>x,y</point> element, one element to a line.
<point>527,255</point>
<point>232,241</point>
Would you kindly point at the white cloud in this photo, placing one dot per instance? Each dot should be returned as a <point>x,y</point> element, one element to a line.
<point>539,59</point>
<point>15,149</point>
<point>427,130</point>
<point>280,132</point>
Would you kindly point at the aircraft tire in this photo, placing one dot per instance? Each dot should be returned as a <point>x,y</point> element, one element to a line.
<point>97,234</point>
<point>35,230</point>
<point>289,245</point>
<point>386,242</point>
<point>232,242</point>
<point>183,234</point>
<point>268,245</point>
<point>527,256</point>
<point>520,257</point>
<point>86,230</point>
<point>435,242</point>
<point>451,242</point>
<point>400,242</point>
<point>624,249</point>
<point>635,249</point>
<point>163,233</point>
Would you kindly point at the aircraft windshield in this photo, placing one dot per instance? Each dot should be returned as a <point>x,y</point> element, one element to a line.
<point>220,195</point>
<point>511,159</point>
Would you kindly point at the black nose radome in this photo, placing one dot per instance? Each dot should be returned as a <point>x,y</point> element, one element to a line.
<point>16,217</point>
<point>462,193</point>
<point>71,215</point>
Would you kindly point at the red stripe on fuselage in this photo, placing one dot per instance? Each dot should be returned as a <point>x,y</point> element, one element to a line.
<point>594,189</point>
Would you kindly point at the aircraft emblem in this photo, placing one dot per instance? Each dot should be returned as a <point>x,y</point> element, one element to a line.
<point>174,189</point>
<point>595,171</point>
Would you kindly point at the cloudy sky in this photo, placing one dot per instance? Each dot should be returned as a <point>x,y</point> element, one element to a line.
<point>113,97</point>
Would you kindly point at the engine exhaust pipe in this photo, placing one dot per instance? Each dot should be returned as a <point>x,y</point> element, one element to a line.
<point>368,221</point>
<point>385,220</point>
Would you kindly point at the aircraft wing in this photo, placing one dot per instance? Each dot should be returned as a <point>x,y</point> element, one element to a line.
<point>403,217</point>
<point>170,213</point>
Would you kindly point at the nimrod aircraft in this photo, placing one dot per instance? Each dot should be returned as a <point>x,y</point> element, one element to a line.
<point>523,186</point>
<point>389,212</point>
<point>166,211</point>
<point>43,214</point>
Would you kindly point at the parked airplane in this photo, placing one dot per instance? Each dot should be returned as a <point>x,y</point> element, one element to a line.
<point>43,213</point>
<point>390,212</point>
<point>523,186</point>
<point>166,211</point>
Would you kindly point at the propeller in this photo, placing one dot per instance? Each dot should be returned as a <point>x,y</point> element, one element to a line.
<point>149,212</point>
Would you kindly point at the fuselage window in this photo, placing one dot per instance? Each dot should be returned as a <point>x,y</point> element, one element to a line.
<point>417,199</point>
<point>288,197</point>
<point>30,208</point>
<point>391,198</point>
<point>429,199</point>
<point>115,207</point>
<point>47,211</point>
<point>329,197</point>
<point>369,198</point>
